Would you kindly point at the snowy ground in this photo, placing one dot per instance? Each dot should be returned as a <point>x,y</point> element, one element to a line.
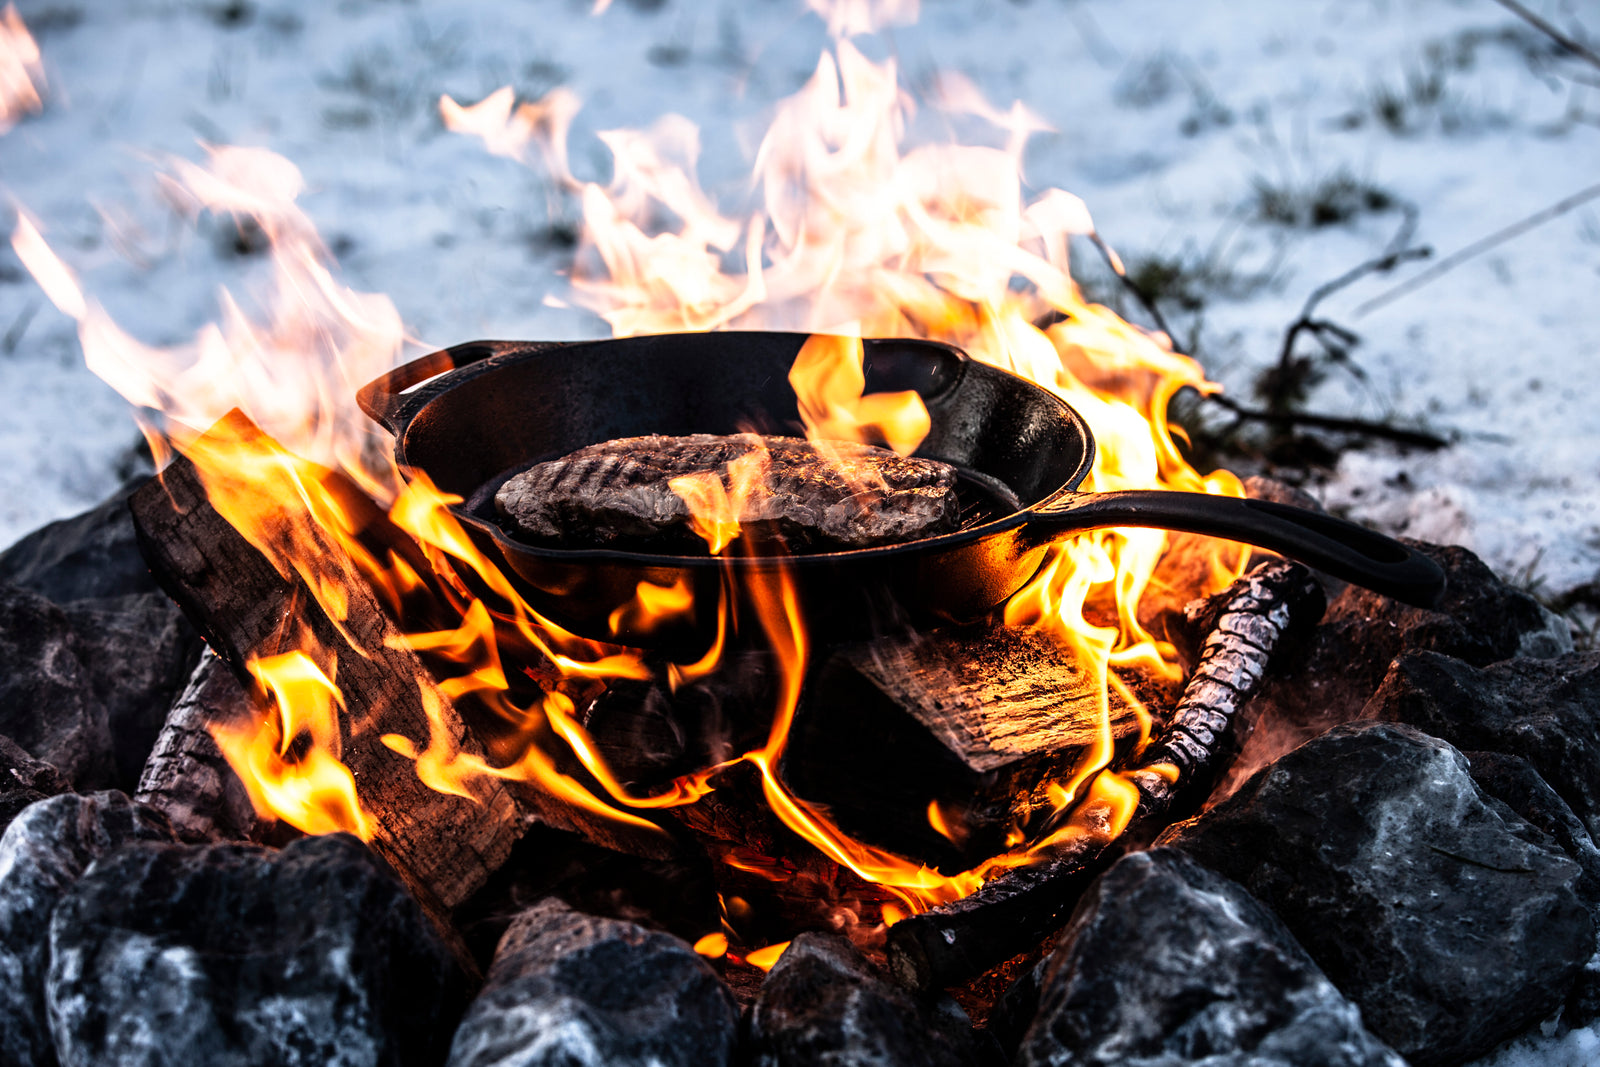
<point>1171,118</point>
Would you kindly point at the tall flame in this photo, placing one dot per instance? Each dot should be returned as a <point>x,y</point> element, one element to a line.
<point>21,72</point>
<point>856,234</point>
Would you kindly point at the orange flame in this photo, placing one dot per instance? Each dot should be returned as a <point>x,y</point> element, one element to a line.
<point>716,508</point>
<point>855,237</point>
<point>313,791</point>
<point>828,383</point>
<point>713,945</point>
<point>767,958</point>
<point>21,73</point>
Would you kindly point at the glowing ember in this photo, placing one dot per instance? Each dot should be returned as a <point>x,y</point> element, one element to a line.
<point>766,958</point>
<point>713,945</point>
<point>856,235</point>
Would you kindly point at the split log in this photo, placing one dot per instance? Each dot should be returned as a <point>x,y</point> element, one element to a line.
<point>1261,613</point>
<point>248,604</point>
<point>972,720</point>
<point>186,775</point>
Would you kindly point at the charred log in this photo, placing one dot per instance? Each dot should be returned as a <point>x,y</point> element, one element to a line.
<point>771,882</point>
<point>443,846</point>
<point>186,775</point>
<point>1017,909</point>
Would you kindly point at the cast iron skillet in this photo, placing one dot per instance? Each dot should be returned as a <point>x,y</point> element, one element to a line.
<point>1021,451</point>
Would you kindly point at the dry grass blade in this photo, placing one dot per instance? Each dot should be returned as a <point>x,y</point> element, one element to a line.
<point>1477,248</point>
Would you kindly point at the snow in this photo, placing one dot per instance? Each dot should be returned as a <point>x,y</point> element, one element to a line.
<point>1167,115</point>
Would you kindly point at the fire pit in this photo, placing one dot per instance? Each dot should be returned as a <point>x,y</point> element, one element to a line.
<point>326,756</point>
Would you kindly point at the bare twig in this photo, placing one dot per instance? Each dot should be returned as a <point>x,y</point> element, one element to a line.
<point>1336,339</point>
<point>19,326</point>
<point>1477,248</point>
<point>1145,300</point>
<point>1576,47</point>
<point>1331,334</point>
<point>1335,423</point>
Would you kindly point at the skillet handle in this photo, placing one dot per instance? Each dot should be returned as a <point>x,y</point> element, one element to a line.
<point>383,397</point>
<point>1340,548</point>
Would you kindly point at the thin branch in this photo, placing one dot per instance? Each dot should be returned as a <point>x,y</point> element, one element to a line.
<point>1146,301</point>
<point>1396,254</point>
<point>19,326</point>
<point>1571,44</point>
<point>1477,248</point>
<point>1334,423</point>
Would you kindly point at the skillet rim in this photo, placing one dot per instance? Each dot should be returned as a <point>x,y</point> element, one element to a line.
<point>513,353</point>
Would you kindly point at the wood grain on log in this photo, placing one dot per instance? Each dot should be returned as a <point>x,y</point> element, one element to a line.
<point>249,605</point>
<point>972,719</point>
<point>1248,623</point>
<point>186,775</point>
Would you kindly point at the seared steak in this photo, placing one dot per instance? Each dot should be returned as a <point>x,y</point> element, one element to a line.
<point>616,494</point>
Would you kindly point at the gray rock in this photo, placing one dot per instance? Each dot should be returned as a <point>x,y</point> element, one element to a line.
<point>237,955</point>
<point>1511,780</point>
<point>43,852</point>
<point>822,1003</point>
<point>1011,1016</point>
<point>138,650</point>
<point>18,770</point>
<point>1546,711</point>
<point>47,702</point>
<point>24,781</point>
<point>570,990</point>
<point>14,802</point>
<point>1514,782</point>
<point>1480,620</point>
<point>1451,922</point>
<point>87,685</point>
<point>1166,964</point>
<point>89,556</point>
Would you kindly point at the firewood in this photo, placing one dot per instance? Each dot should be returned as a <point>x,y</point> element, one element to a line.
<point>186,775</point>
<point>443,846</point>
<point>972,720</point>
<point>1251,620</point>
<point>772,884</point>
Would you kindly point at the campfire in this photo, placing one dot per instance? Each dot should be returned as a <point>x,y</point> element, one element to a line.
<point>848,633</point>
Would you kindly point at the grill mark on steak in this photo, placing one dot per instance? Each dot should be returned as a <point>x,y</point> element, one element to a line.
<point>616,495</point>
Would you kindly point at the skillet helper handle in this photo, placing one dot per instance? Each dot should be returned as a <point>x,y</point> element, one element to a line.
<point>1317,539</point>
<point>382,397</point>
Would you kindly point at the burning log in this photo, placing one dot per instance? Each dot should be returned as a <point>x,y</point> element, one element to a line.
<point>186,775</point>
<point>1018,908</point>
<point>443,846</point>
<point>953,736</point>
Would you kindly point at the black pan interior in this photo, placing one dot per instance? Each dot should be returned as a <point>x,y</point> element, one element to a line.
<point>1014,443</point>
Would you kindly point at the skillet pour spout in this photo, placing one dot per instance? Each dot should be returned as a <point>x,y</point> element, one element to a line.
<point>473,415</point>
